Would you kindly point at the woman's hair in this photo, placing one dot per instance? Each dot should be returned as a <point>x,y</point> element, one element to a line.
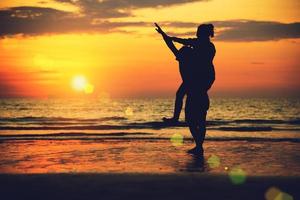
<point>211,30</point>
<point>205,30</point>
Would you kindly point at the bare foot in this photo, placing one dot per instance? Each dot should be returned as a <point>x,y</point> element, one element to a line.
<point>170,120</point>
<point>196,151</point>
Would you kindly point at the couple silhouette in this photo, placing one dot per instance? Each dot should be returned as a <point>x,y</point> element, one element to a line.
<point>196,68</point>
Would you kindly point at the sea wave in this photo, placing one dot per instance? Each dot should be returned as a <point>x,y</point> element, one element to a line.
<point>59,119</point>
<point>123,123</point>
<point>153,126</point>
<point>268,121</point>
<point>31,118</point>
<point>119,118</point>
<point>133,136</point>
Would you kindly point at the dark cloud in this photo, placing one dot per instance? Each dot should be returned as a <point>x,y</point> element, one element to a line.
<point>248,30</point>
<point>40,20</point>
<point>36,20</point>
<point>119,8</point>
<point>245,30</point>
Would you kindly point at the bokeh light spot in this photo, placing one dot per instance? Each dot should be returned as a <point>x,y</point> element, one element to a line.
<point>237,175</point>
<point>89,88</point>
<point>286,196</point>
<point>176,139</point>
<point>274,193</point>
<point>129,111</point>
<point>213,161</point>
<point>226,168</point>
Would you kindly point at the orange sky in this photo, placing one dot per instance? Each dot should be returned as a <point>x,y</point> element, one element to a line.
<point>116,48</point>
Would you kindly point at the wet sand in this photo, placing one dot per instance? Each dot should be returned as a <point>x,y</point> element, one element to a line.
<point>263,158</point>
<point>147,169</point>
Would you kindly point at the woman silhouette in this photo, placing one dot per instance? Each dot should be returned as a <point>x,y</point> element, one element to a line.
<point>198,74</point>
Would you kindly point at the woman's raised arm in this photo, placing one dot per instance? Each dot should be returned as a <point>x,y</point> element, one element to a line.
<point>167,40</point>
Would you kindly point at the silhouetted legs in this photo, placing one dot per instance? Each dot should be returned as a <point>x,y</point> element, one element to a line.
<point>198,131</point>
<point>178,104</point>
<point>195,113</point>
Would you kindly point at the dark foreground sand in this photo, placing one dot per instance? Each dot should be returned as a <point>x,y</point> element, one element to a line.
<point>143,186</point>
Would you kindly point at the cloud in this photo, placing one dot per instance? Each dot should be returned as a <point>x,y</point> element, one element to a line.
<point>243,30</point>
<point>249,30</point>
<point>120,8</point>
<point>35,20</point>
<point>39,20</point>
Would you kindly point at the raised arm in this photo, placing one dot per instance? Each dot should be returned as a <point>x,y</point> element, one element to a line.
<point>183,41</point>
<point>167,40</point>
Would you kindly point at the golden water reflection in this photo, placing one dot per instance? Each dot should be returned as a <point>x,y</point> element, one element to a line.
<point>146,156</point>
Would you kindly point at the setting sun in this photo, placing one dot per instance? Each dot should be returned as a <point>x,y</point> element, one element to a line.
<point>80,83</point>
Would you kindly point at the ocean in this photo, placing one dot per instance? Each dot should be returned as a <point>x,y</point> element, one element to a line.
<point>228,118</point>
<point>259,136</point>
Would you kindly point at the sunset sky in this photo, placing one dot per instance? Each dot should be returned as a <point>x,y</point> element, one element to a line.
<point>46,44</point>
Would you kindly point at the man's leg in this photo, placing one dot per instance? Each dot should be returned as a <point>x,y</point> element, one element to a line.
<point>196,119</point>
<point>202,127</point>
<point>198,138</point>
<point>194,129</point>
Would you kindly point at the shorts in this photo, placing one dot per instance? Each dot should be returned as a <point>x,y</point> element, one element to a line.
<point>196,107</point>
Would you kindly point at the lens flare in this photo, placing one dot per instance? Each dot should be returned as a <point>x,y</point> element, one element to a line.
<point>176,139</point>
<point>89,88</point>
<point>213,161</point>
<point>237,175</point>
<point>129,111</point>
<point>274,193</point>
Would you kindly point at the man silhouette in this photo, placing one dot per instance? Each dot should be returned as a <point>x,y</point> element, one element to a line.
<point>181,91</point>
<point>198,74</point>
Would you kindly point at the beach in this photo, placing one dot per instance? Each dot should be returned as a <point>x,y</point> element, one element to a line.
<point>254,158</point>
<point>145,168</point>
<point>58,149</point>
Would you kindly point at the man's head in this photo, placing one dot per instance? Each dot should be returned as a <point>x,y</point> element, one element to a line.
<point>205,31</point>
